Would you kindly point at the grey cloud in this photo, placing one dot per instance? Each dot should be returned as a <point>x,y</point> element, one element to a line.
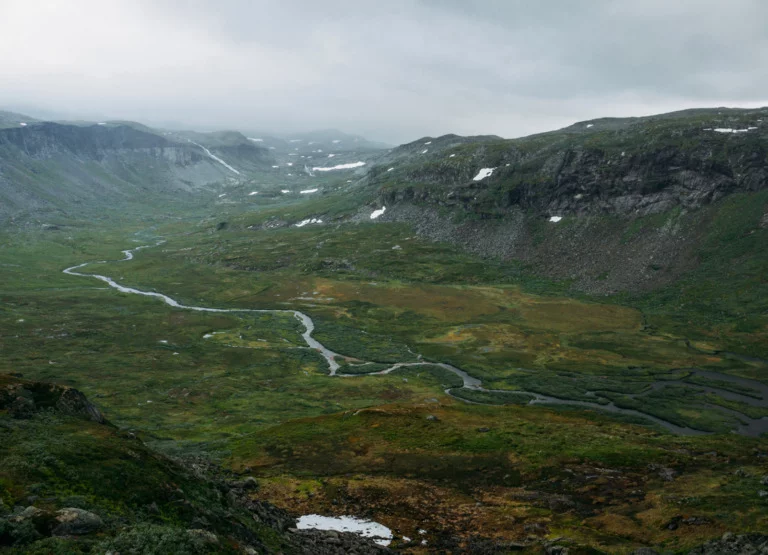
<point>391,70</point>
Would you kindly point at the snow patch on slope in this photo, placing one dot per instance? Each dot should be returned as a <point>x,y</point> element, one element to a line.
<point>729,130</point>
<point>302,223</point>
<point>483,173</point>
<point>219,160</point>
<point>349,166</point>
<point>366,528</point>
<point>376,213</point>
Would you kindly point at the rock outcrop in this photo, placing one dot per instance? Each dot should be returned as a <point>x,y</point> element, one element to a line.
<point>733,544</point>
<point>23,398</point>
<point>644,166</point>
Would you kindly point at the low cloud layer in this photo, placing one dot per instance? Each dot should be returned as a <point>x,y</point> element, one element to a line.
<point>394,70</point>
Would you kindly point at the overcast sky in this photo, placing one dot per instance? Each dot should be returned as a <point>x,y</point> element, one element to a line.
<point>393,70</point>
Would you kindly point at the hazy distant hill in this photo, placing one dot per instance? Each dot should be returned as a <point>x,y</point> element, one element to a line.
<point>52,166</point>
<point>12,119</point>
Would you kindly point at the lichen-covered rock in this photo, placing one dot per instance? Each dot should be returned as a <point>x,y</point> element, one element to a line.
<point>72,401</point>
<point>23,398</point>
<point>76,522</point>
<point>204,535</point>
<point>28,513</point>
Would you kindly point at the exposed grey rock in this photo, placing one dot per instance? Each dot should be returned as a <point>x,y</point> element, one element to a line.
<point>76,522</point>
<point>248,484</point>
<point>731,544</point>
<point>580,180</point>
<point>28,513</point>
<point>72,401</point>
<point>205,535</point>
<point>329,542</point>
<point>506,214</point>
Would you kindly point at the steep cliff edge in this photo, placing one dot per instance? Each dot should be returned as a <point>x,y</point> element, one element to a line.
<point>609,205</point>
<point>635,167</point>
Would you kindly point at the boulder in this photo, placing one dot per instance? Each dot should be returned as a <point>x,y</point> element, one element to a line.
<point>72,401</point>
<point>250,483</point>
<point>731,544</point>
<point>29,513</point>
<point>76,522</point>
<point>204,535</point>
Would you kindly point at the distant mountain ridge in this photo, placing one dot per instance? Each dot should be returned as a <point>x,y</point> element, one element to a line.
<point>623,166</point>
<point>48,166</point>
<point>65,166</point>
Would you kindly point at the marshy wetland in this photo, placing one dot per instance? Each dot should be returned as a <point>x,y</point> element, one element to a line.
<point>508,409</point>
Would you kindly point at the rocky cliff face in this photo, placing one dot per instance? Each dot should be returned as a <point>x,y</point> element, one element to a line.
<point>610,205</point>
<point>45,139</point>
<point>647,168</point>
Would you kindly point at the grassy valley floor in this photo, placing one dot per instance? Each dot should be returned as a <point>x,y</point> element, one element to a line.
<point>244,391</point>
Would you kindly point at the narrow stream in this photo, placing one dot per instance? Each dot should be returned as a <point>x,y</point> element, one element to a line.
<point>749,426</point>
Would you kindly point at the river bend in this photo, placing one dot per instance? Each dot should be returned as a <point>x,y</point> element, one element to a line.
<point>749,426</point>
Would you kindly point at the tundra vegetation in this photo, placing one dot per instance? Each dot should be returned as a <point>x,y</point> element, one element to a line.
<point>239,394</point>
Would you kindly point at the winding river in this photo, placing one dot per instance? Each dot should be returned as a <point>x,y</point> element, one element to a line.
<point>749,426</point>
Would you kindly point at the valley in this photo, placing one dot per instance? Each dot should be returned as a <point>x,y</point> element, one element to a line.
<point>754,392</point>
<point>551,388</point>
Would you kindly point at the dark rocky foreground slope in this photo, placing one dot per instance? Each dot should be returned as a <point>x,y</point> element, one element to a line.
<point>610,205</point>
<point>72,483</point>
